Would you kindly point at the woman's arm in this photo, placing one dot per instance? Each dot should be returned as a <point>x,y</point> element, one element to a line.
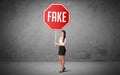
<point>60,44</point>
<point>56,42</point>
<point>63,43</point>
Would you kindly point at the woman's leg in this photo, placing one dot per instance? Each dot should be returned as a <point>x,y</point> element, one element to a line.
<point>60,60</point>
<point>63,61</point>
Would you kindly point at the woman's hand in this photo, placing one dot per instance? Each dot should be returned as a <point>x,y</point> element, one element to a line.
<point>56,42</point>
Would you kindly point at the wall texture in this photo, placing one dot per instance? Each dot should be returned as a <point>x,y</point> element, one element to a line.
<point>93,33</point>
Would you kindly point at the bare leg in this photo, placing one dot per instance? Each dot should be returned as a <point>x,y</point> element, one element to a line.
<point>60,60</point>
<point>63,61</point>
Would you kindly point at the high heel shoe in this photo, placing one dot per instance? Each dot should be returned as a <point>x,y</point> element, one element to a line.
<point>62,70</point>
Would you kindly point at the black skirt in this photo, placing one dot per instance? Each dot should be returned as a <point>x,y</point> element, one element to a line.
<point>62,50</point>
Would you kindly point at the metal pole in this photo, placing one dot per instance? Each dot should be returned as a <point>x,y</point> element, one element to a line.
<point>55,36</point>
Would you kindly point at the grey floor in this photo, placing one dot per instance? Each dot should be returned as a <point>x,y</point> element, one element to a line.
<point>52,68</point>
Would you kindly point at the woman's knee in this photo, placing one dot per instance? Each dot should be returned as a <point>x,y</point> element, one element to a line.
<point>59,57</point>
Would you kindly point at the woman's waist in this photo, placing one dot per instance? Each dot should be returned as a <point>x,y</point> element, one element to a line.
<point>61,46</point>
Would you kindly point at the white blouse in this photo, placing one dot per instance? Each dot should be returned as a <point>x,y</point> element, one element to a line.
<point>61,43</point>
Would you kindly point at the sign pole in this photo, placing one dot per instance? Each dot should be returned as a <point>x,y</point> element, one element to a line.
<point>55,36</point>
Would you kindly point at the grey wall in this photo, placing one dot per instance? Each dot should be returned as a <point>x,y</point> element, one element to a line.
<point>93,33</point>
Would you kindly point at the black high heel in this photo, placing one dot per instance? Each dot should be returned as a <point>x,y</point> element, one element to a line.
<point>62,70</point>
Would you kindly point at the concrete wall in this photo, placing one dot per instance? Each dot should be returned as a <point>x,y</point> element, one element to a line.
<point>93,33</point>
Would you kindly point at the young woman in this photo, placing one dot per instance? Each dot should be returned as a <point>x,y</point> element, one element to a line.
<point>62,49</point>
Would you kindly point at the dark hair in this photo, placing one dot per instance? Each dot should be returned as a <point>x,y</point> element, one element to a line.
<point>64,34</point>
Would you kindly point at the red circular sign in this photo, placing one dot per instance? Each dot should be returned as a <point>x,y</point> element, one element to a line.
<point>56,16</point>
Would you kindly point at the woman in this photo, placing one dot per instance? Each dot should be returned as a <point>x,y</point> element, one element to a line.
<point>62,49</point>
